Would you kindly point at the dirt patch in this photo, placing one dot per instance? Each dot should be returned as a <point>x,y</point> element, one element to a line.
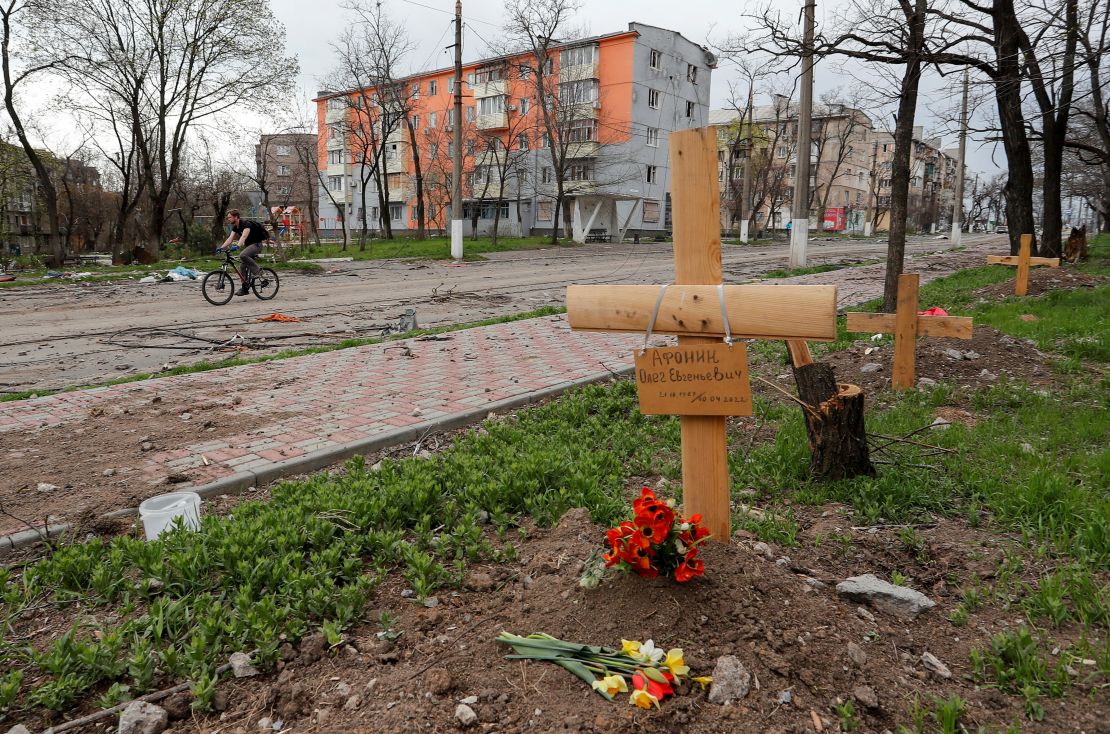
<point>96,463</point>
<point>1042,281</point>
<point>983,360</point>
<point>774,608</point>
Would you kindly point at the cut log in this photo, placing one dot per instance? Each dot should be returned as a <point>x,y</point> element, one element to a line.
<point>834,425</point>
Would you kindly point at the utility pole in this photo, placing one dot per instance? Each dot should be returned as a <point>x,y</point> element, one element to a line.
<point>456,153</point>
<point>799,232</point>
<point>872,194</point>
<point>958,204</point>
<point>746,190</point>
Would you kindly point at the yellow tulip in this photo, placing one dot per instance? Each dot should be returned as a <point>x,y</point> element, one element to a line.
<point>611,684</point>
<point>703,680</point>
<point>643,699</point>
<point>675,663</point>
<point>631,648</point>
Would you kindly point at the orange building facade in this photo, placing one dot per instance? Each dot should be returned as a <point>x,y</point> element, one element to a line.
<point>611,102</point>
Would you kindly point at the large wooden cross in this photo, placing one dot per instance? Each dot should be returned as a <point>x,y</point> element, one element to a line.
<point>691,309</point>
<point>907,325</point>
<point>1023,261</point>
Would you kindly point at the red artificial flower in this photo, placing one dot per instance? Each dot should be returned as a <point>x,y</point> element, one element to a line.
<point>647,497</point>
<point>655,522</point>
<point>689,568</point>
<point>659,690</point>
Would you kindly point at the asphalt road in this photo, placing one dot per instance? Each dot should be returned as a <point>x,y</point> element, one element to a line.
<point>56,336</point>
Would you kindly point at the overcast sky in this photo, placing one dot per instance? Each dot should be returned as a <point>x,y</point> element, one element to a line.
<point>311,27</point>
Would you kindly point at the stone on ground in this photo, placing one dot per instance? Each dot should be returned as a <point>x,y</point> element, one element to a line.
<point>885,596</point>
<point>465,715</point>
<point>141,717</point>
<point>241,666</point>
<point>935,666</point>
<point>19,729</point>
<point>731,680</point>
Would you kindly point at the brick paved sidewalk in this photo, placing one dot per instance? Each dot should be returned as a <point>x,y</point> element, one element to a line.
<point>315,406</point>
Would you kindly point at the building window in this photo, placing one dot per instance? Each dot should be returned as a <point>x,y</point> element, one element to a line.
<point>412,213</point>
<point>334,132</point>
<point>490,105</point>
<point>335,157</point>
<point>337,103</point>
<point>415,121</point>
<point>689,109</point>
<point>651,211</point>
<point>691,73</point>
<point>335,183</point>
<point>582,131</point>
<point>469,114</point>
<point>432,88</point>
<point>433,151</point>
<point>283,170</point>
<point>284,150</point>
<point>470,147</point>
<point>525,72</point>
<point>652,174</point>
<point>545,140</point>
<point>578,56</point>
<point>470,79</point>
<point>450,148</point>
<point>490,74</point>
<point>653,137</point>
<point>781,151</point>
<point>545,175</point>
<point>653,99</point>
<point>432,120</point>
<point>451,85</point>
<point>283,190</point>
<point>395,212</point>
<point>522,141</point>
<point>582,91</point>
<point>583,171</point>
<point>524,104</point>
<point>655,60</point>
<point>393,181</point>
<point>544,210</point>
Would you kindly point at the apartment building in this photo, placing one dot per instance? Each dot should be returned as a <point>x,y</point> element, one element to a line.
<point>839,165</point>
<point>611,102</point>
<point>285,171</point>
<point>933,175</point>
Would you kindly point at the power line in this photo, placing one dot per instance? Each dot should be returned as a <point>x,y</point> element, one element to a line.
<point>449,12</point>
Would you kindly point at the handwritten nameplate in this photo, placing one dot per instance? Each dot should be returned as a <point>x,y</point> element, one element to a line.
<point>694,379</point>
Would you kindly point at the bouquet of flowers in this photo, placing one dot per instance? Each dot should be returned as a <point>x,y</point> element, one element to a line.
<point>657,542</point>
<point>644,671</point>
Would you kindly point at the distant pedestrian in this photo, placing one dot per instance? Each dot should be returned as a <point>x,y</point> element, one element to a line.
<point>251,235</point>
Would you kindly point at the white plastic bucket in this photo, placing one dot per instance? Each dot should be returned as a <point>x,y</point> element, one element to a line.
<point>158,513</point>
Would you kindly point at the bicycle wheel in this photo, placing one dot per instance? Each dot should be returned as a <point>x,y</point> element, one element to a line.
<point>218,287</point>
<point>265,284</point>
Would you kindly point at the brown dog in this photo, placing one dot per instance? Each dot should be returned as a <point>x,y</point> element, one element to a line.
<point>1076,249</point>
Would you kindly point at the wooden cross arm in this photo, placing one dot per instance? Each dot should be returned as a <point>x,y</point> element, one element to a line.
<point>1051,262</point>
<point>754,311</point>
<point>958,327</point>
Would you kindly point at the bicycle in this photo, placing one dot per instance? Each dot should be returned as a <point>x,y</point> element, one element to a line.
<point>218,286</point>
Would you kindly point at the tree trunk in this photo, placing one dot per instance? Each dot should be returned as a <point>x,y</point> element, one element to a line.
<point>835,426</point>
<point>1018,190</point>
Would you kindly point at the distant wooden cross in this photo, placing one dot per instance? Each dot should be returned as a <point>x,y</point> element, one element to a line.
<point>906,326</point>
<point>692,309</point>
<point>1023,261</point>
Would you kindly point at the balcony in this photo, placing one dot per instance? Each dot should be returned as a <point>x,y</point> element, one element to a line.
<point>493,121</point>
<point>578,72</point>
<point>491,89</point>
<point>587,149</point>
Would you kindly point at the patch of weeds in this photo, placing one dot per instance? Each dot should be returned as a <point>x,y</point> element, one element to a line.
<point>846,713</point>
<point>947,714</point>
<point>1071,593</point>
<point>773,526</point>
<point>898,579</point>
<point>307,559</point>
<point>781,273</point>
<point>1012,661</point>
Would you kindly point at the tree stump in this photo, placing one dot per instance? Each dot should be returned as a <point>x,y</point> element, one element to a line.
<point>834,424</point>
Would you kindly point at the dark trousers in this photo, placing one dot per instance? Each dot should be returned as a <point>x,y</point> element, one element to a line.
<point>247,256</point>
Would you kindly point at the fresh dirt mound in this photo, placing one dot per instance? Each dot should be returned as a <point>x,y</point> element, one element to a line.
<point>1041,281</point>
<point>780,616</point>
<point>984,358</point>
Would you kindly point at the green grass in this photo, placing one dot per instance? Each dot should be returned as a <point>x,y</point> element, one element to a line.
<point>114,273</point>
<point>206,366</point>
<point>438,248</point>
<point>307,559</point>
<point>780,273</point>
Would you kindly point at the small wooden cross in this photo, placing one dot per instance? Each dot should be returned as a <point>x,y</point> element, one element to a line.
<point>1023,262</point>
<point>907,325</point>
<point>691,309</point>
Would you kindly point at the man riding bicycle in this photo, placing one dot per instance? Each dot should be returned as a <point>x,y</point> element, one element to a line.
<point>251,235</point>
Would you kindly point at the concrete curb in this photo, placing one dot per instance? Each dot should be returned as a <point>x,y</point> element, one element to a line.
<point>240,481</point>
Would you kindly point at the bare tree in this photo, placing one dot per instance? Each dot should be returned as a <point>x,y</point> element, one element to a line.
<point>19,23</point>
<point>837,138</point>
<point>169,66</point>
